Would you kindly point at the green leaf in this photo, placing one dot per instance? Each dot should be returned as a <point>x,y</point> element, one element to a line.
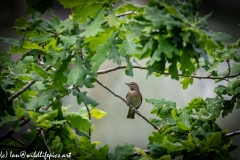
<point>128,47</point>
<point>187,66</point>
<point>59,78</point>
<point>34,115</point>
<point>98,59</point>
<point>220,89</point>
<point>97,113</point>
<point>71,4</point>
<point>103,152</point>
<point>100,38</point>
<point>58,122</point>
<point>173,69</point>
<point>164,122</point>
<point>83,12</point>
<point>39,71</point>
<point>186,81</point>
<point>41,38</point>
<point>157,150</point>
<point>196,103</point>
<point>185,118</point>
<point>96,25</point>
<point>162,107</point>
<point>214,141</point>
<point>68,41</point>
<point>172,147</point>
<point>81,97</point>
<point>7,119</point>
<point>57,145</point>
<point>123,152</point>
<point>160,19</point>
<point>47,116</point>
<point>129,68</point>
<point>166,47</point>
<point>20,68</point>
<point>52,46</point>
<point>5,60</point>
<point>185,36</point>
<point>113,21</point>
<point>214,105</point>
<point>78,122</point>
<point>44,99</point>
<point>156,138</point>
<point>19,111</point>
<point>109,50</point>
<point>146,50</point>
<point>78,73</point>
<point>190,143</point>
<point>30,46</point>
<point>10,40</point>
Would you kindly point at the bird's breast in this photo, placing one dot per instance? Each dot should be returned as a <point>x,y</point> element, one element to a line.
<point>134,98</point>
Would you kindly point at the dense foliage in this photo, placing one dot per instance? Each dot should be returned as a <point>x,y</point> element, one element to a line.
<point>169,34</point>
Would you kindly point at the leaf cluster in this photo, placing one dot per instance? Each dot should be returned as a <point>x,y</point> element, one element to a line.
<point>61,57</point>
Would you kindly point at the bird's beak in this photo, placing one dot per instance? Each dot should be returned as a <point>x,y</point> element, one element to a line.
<point>126,83</point>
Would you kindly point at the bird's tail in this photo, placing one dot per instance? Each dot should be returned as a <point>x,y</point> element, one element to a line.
<point>131,114</point>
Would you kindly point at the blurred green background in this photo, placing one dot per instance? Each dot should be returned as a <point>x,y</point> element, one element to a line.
<point>115,128</point>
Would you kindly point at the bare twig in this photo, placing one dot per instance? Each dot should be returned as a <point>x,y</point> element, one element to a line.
<point>120,15</point>
<point>16,94</point>
<point>18,141</point>
<point>232,134</point>
<point>228,68</point>
<point>136,111</point>
<point>166,73</point>
<point>138,154</point>
<point>12,146</point>
<point>89,115</point>
<point>11,131</point>
<point>49,150</point>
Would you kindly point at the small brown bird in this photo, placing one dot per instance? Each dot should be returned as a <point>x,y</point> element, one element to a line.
<point>134,97</point>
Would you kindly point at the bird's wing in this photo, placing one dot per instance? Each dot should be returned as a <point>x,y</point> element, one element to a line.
<point>141,101</point>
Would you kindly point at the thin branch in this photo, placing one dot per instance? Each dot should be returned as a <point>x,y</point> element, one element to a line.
<point>12,146</point>
<point>125,14</point>
<point>89,115</point>
<point>228,68</point>
<point>136,111</point>
<point>42,133</point>
<point>11,131</point>
<point>18,141</point>
<point>120,15</point>
<point>34,140</point>
<point>166,73</point>
<point>232,134</point>
<point>16,94</point>
<point>139,154</point>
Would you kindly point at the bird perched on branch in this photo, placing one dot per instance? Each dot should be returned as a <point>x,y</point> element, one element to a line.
<point>134,97</point>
